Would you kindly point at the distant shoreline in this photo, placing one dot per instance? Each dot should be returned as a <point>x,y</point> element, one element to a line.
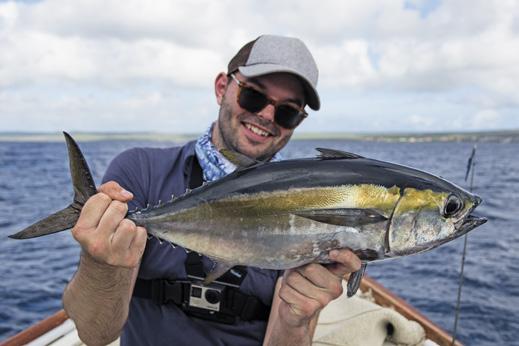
<point>482,136</point>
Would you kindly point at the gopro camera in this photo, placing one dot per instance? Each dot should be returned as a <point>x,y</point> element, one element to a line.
<point>205,297</point>
<point>208,301</point>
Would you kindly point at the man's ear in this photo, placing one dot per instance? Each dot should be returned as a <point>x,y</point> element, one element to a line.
<point>220,86</point>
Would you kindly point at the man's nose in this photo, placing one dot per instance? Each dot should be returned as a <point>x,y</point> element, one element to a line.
<point>268,112</point>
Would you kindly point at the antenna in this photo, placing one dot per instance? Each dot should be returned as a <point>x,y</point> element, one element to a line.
<point>471,163</point>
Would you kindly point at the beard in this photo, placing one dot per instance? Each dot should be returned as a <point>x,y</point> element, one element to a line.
<point>230,135</point>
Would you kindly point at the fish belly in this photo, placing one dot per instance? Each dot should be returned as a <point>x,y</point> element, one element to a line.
<point>277,241</point>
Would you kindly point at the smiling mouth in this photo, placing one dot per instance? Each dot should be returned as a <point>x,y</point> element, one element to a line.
<point>257,130</point>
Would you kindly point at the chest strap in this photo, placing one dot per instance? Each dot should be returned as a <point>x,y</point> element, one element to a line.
<point>234,303</point>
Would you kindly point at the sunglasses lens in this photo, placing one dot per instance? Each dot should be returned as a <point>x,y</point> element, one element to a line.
<point>252,100</point>
<point>288,117</point>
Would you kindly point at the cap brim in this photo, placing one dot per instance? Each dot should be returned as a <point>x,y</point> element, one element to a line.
<point>264,69</point>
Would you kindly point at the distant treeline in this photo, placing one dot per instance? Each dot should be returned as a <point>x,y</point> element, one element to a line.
<point>483,136</point>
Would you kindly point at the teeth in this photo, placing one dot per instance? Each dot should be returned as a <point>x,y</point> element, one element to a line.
<point>256,130</point>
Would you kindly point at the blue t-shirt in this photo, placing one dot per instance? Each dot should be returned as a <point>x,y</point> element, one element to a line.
<point>154,175</point>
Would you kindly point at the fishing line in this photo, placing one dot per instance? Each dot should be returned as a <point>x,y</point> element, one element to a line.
<point>470,169</point>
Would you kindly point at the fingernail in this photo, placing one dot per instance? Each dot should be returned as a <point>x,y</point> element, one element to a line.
<point>333,253</point>
<point>126,193</point>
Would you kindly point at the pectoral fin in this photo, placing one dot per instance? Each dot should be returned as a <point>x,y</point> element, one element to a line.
<point>342,216</point>
<point>355,279</point>
<point>218,270</point>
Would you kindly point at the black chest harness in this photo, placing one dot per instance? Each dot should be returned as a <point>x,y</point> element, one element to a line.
<point>220,301</point>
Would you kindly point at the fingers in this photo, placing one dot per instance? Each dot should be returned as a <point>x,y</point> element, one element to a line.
<point>111,218</point>
<point>138,244</point>
<point>123,236</point>
<point>315,282</point>
<point>115,191</point>
<point>346,262</point>
<point>105,234</point>
<point>95,207</point>
<point>317,274</point>
<point>90,216</point>
<point>305,291</point>
<point>308,289</point>
<point>299,308</point>
<point>139,241</point>
<point>127,244</point>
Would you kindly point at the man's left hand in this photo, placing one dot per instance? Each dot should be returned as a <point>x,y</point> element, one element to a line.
<point>308,289</point>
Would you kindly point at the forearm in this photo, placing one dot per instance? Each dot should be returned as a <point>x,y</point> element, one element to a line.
<point>97,299</point>
<point>286,335</point>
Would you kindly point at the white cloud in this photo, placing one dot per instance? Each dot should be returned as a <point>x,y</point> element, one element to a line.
<point>345,64</point>
<point>420,121</point>
<point>487,119</point>
<point>461,52</point>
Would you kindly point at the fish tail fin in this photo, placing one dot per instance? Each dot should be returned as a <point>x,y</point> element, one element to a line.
<point>84,188</point>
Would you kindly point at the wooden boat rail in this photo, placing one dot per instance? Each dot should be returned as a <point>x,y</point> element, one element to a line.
<point>36,330</point>
<point>382,297</point>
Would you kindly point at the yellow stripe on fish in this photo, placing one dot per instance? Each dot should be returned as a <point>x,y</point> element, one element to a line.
<point>345,196</point>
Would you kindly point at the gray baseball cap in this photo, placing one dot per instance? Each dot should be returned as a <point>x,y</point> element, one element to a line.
<point>273,54</point>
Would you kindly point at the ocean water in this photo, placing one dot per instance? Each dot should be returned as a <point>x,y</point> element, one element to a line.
<point>34,181</point>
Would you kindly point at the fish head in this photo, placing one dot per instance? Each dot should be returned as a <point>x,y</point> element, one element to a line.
<point>425,219</point>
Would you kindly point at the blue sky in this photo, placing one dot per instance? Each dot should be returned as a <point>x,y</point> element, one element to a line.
<point>385,65</point>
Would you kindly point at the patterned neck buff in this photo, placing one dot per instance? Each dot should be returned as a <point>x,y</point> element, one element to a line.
<point>214,165</point>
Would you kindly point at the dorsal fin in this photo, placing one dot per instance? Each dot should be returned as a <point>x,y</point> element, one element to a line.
<point>326,153</point>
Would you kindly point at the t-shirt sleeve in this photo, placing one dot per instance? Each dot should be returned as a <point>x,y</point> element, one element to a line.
<point>130,170</point>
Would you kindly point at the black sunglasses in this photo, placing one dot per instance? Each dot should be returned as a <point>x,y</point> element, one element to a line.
<point>252,100</point>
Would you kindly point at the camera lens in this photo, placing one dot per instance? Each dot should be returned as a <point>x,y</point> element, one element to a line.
<point>212,296</point>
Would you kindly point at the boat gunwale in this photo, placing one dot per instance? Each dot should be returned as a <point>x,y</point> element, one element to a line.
<point>36,330</point>
<point>382,296</point>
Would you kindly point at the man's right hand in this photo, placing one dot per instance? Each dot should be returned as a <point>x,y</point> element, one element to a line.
<point>103,232</point>
<point>98,296</point>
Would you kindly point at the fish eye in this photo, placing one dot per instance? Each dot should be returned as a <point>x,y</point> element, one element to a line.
<point>452,206</point>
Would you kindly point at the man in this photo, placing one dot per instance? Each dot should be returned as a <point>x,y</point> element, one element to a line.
<point>261,99</point>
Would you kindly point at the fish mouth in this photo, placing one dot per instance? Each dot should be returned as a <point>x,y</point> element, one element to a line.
<point>470,222</point>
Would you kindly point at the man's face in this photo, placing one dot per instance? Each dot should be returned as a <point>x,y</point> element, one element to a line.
<point>256,135</point>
